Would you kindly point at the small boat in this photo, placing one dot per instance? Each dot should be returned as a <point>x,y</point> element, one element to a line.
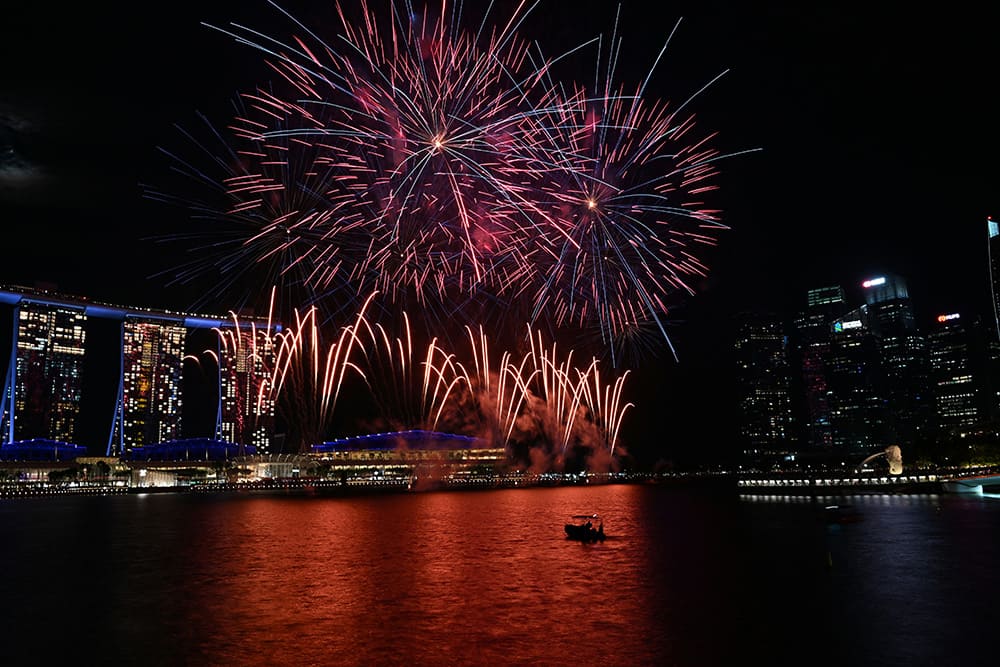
<point>585,528</point>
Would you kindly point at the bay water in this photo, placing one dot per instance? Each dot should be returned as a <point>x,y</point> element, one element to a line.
<point>689,575</point>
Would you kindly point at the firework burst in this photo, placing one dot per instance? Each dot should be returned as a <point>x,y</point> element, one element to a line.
<point>421,134</point>
<point>448,168</point>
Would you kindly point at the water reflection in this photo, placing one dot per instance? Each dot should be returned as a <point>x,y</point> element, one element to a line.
<point>686,577</point>
<point>454,578</point>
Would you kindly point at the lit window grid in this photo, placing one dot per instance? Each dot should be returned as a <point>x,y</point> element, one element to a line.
<point>49,361</point>
<point>243,376</point>
<point>151,383</point>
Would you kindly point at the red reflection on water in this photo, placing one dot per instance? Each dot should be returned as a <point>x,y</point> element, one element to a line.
<point>436,578</point>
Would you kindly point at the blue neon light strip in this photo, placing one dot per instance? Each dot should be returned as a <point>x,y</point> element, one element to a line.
<point>13,297</point>
<point>389,441</point>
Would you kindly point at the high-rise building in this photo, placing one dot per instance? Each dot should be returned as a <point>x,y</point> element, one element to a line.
<point>45,376</point>
<point>764,389</point>
<point>246,399</point>
<point>149,404</point>
<point>812,348</point>
<point>993,252</point>
<point>903,358</point>
<point>827,300</point>
<point>853,373</point>
<point>987,355</point>
<point>955,378</point>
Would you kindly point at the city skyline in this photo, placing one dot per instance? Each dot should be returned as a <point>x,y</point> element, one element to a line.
<point>720,420</point>
<point>142,329</point>
<point>847,379</point>
<point>845,184</point>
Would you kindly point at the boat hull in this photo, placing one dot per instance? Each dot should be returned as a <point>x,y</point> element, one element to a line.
<point>584,533</point>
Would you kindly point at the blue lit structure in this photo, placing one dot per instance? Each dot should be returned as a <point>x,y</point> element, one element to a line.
<point>25,296</point>
<point>40,449</point>
<point>412,439</point>
<point>410,456</point>
<point>43,384</point>
<point>191,449</point>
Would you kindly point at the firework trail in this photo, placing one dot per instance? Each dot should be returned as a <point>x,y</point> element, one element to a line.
<point>570,404</point>
<point>448,167</point>
<point>411,391</point>
<point>299,370</point>
<point>259,222</point>
<point>607,410</point>
<point>538,398</point>
<point>304,374</point>
<point>500,387</point>
<point>292,370</point>
<point>422,133</point>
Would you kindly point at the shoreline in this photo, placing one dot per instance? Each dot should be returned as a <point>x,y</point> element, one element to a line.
<point>796,483</point>
<point>310,487</point>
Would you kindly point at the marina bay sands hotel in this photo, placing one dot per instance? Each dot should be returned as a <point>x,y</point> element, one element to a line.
<point>44,381</point>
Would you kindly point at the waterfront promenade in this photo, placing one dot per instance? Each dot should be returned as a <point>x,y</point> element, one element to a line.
<point>313,486</point>
<point>975,480</point>
<point>830,482</point>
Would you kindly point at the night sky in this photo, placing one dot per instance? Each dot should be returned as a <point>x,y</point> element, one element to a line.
<point>876,128</point>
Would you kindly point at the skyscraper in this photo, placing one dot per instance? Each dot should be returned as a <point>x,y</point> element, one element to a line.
<point>857,407</point>
<point>763,384</point>
<point>45,376</point>
<point>246,401</point>
<point>149,403</point>
<point>955,379</point>
<point>812,329</point>
<point>993,252</point>
<point>903,358</point>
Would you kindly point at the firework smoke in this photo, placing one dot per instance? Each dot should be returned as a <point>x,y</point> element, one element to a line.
<point>540,401</point>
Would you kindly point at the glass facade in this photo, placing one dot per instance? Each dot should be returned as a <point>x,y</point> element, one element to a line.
<point>152,356</point>
<point>903,359</point>
<point>812,329</point>
<point>764,387</point>
<point>48,372</point>
<point>857,408</point>
<point>955,378</point>
<point>993,251</point>
<point>247,406</point>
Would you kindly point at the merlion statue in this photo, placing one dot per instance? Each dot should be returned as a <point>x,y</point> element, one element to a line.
<point>895,458</point>
<point>893,455</point>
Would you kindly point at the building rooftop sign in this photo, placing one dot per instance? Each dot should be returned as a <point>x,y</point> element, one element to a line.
<point>850,324</point>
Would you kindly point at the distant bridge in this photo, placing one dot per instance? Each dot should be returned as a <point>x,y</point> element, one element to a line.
<point>835,481</point>
<point>971,482</point>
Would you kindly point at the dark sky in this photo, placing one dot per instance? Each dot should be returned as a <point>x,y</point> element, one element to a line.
<point>876,128</point>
